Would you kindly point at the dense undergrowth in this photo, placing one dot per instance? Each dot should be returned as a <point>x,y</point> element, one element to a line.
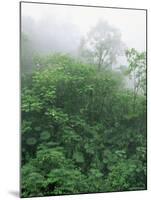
<point>82,130</point>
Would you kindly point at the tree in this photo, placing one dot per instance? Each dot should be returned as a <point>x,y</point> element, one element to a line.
<point>137,71</point>
<point>102,45</point>
<point>26,54</point>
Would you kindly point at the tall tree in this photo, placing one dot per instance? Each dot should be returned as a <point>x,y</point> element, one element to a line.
<point>137,71</point>
<point>26,54</point>
<point>102,45</point>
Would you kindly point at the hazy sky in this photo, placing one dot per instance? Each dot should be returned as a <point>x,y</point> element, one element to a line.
<point>131,23</point>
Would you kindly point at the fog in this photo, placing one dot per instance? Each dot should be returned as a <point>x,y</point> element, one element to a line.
<point>56,28</point>
<point>50,35</point>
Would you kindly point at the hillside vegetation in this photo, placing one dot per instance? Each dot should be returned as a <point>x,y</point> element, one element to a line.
<point>83,130</point>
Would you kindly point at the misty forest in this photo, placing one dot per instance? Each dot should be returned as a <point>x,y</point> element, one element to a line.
<point>83,127</point>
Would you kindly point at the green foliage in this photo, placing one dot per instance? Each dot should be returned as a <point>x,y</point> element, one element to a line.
<point>126,175</point>
<point>137,69</point>
<point>80,133</point>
